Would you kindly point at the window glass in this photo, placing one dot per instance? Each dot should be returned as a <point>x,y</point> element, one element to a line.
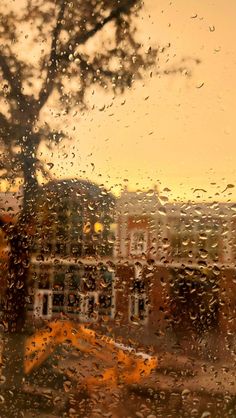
<point>117,208</point>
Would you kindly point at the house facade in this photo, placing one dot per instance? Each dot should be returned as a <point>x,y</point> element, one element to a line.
<point>180,262</point>
<point>69,274</point>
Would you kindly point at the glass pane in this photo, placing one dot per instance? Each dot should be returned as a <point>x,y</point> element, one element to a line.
<point>117,209</point>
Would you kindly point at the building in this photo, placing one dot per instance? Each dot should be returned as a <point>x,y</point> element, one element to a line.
<point>73,241</point>
<point>179,262</point>
<point>137,262</point>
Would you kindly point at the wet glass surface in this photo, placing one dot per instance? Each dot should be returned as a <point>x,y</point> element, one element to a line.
<point>117,209</point>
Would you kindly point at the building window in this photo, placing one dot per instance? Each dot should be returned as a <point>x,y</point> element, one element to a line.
<point>138,244</point>
<point>43,304</point>
<point>138,300</point>
<point>85,291</point>
<point>138,307</point>
<point>88,307</point>
<point>73,303</point>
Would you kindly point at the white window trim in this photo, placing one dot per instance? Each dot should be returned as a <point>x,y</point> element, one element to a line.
<point>38,303</point>
<point>133,307</point>
<point>83,315</point>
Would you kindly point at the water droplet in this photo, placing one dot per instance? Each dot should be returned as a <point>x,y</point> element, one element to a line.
<point>206,414</point>
<point>199,86</point>
<point>162,211</point>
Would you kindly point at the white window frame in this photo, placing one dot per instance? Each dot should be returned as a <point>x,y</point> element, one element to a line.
<point>83,314</point>
<point>38,303</point>
<point>134,307</point>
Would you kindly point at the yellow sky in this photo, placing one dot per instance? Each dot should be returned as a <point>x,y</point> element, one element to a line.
<point>181,136</point>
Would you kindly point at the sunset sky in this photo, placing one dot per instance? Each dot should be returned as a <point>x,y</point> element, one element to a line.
<point>174,131</point>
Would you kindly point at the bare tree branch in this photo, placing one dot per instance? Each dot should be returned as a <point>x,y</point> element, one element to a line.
<point>115,14</point>
<point>52,62</point>
<point>80,39</point>
<point>45,172</point>
<point>13,80</point>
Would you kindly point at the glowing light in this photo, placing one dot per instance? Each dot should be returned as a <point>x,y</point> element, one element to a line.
<point>98,227</point>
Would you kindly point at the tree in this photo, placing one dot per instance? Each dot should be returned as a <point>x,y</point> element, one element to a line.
<point>62,34</point>
<point>66,68</point>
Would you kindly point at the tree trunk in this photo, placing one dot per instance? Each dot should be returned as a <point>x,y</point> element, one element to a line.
<point>20,241</point>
